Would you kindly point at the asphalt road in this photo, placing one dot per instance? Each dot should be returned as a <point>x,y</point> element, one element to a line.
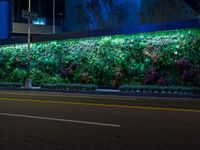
<point>56,121</point>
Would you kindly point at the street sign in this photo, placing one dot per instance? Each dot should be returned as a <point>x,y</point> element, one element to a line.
<point>29,15</point>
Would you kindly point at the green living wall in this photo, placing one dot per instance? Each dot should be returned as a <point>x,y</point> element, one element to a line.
<point>160,58</point>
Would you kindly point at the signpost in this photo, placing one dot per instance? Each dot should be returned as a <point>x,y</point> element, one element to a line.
<point>29,16</point>
<point>54,21</point>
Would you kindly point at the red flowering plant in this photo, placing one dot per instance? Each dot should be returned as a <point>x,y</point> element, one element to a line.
<point>188,74</point>
<point>186,69</point>
<point>68,72</point>
<point>183,64</point>
<point>152,76</point>
<point>161,82</point>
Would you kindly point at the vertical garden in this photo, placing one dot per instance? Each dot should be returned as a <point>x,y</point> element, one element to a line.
<point>159,58</point>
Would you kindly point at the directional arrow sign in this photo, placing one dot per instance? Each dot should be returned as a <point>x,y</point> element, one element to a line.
<point>29,15</point>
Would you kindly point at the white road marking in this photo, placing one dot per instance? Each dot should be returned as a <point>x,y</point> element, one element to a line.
<point>60,120</point>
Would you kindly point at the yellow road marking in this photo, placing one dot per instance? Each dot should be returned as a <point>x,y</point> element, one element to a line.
<point>102,105</point>
<point>70,95</point>
<point>89,96</point>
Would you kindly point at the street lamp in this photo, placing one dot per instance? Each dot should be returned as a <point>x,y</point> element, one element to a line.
<point>28,82</point>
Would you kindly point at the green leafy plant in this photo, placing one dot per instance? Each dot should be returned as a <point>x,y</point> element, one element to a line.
<point>98,60</point>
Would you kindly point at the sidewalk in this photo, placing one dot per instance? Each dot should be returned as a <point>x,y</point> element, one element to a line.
<point>109,92</point>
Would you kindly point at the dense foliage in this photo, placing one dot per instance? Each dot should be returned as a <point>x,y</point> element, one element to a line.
<point>160,58</point>
<point>74,86</point>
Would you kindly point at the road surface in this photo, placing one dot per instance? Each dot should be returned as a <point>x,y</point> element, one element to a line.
<point>58,121</point>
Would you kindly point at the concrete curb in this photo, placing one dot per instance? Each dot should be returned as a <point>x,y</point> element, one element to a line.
<point>108,92</point>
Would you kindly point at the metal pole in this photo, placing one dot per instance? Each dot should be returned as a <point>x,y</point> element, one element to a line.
<point>28,80</point>
<point>54,19</point>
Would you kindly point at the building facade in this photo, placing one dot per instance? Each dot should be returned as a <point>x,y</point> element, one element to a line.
<point>5,25</point>
<point>84,15</point>
<point>44,9</point>
<point>95,14</point>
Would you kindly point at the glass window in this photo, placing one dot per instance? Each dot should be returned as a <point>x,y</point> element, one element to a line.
<point>44,9</point>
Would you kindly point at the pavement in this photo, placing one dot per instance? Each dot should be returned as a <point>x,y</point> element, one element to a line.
<point>108,92</point>
<point>32,120</point>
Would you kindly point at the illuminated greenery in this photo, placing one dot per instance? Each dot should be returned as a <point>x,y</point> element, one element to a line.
<point>160,58</point>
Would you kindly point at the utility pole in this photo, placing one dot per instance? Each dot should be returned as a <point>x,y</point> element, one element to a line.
<point>28,82</point>
<point>54,17</point>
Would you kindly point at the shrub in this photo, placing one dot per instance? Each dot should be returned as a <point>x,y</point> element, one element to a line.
<point>150,88</point>
<point>62,86</point>
<point>10,85</point>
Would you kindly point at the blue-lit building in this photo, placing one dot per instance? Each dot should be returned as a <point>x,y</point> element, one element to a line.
<point>93,14</point>
<point>84,15</point>
<point>11,20</point>
<point>5,25</point>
